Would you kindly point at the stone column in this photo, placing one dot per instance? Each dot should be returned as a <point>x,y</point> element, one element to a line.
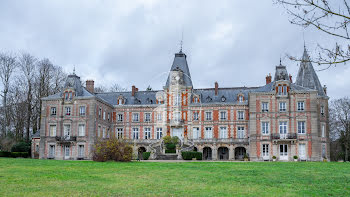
<point>214,153</point>
<point>231,155</point>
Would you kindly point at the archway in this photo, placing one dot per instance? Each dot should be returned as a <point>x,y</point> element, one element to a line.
<point>239,153</point>
<point>195,149</point>
<point>207,153</point>
<point>140,152</point>
<point>223,153</point>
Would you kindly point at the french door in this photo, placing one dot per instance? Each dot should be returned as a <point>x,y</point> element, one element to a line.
<point>178,132</point>
<point>283,151</point>
<point>66,152</point>
<point>302,151</point>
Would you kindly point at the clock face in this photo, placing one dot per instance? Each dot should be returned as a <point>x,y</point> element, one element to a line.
<point>177,78</point>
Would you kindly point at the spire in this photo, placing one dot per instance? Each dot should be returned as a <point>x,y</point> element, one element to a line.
<point>182,37</point>
<point>74,70</point>
<point>307,76</point>
<point>281,72</point>
<point>180,63</point>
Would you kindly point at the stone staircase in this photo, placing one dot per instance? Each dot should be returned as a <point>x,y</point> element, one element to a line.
<point>171,156</point>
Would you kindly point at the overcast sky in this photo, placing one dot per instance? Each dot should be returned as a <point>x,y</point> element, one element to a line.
<point>234,42</point>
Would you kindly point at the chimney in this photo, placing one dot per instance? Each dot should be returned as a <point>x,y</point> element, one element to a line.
<point>90,86</point>
<point>268,79</point>
<point>216,88</point>
<point>290,78</point>
<point>133,90</point>
<point>325,89</point>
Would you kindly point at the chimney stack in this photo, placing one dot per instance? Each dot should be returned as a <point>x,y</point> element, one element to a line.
<point>325,89</point>
<point>268,79</point>
<point>216,88</point>
<point>290,78</point>
<point>90,86</point>
<point>133,90</point>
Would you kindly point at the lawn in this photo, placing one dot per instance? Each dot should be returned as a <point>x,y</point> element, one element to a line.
<point>29,177</point>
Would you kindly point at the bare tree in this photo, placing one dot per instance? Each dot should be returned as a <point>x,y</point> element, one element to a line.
<point>7,66</point>
<point>329,17</point>
<point>117,88</point>
<point>340,122</point>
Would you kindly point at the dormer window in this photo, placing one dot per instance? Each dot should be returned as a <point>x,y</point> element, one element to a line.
<point>195,99</point>
<point>120,101</point>
<point>68,111</point>
<point>209,99</point>
<point>223,99</point>
<point>282,90</point>
<point>240,98</point>
<point>68,96</point>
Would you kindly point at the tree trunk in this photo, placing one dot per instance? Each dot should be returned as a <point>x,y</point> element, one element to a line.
<point>5,123</point>
<point>29,111</point>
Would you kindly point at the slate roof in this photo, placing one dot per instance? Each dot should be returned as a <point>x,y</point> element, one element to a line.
<point>180,62</point>
<point>141,97</point>
<point>307,76</point>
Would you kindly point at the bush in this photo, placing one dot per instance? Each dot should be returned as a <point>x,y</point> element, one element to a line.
<point>274,157</point>
<point>146,155</point>
<point>19,154</point>
<point>111,149</point>
<point>21,147</point>
<point>5,154</point>
<point>171,140</point>
<point>295,157</point>
<point>189,155</point>
<point>170,151</point>
<point>170,146</point>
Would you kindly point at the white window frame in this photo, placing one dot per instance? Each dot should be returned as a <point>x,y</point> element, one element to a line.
<point>264,106</point>
<point>104,115</point>
<point>240,132</point>
<point>159,116</point>
<point>301,106</point>
<point>135,117</point>
<point>104,132</point>
<point>120,117</point>
<point>68,111</point>
<point>323,130</point>
<point>81,151</point>
<point>208,132</point>
<point>195,133</point>
<point>195,116</point>
<point>53,130</point>
<point>283,127</point>
<point>265,128</point>
<point>322,110</point>
<point>240,115</point>
<point>67,130</point>
<point>208,116</point>
<point>53,111</point>
<point>119,132</point>
<point>52,151</point>
<point>147,132</point>
<point>223,115</point>
<point>135,133</point>
<point>240,98</point>
<point>301,127</point>
<point>223,134</point>
<point>265,150</point>
<point>282,106</point>
<point>81,129</point>
<point>159,133</point>
<point>147,117</point>
<point>82,110</point>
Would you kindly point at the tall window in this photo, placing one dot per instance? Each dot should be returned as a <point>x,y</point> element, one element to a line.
<point>136,133</point>
<point>301,127</point>
<point>222,115</point>
<point>324,151</point>
<point>108,116</point>
<point>322,110</point>
<point>323,131</point>
<point>177,116</point>
<point>284,90</point>
<point>147,133</point>
<point>240,132</point>
<point>52,151</point>
<point>119,133</point>
<point>52,130</point>
<point>68,111</point>
<point>81,130</point>
<point>53,111</point>
<point>279,90</point>
<point>265,148</point>
<point>301,106</point>
<point>240,98</point>
<point>283,127</point>
<point>104,133</point>
<point>159,116</point>
<point>265,106</point>
<point>147,117</point>
<point>104,115</point>
<point>159,133</point>
<point>82,110</point>
<point>177,100</point>
<point>208,133</point>
<point>135,117</point>
<point>120,101</point>
<point>283,106</point>
<point>195,115</point>
<point>99,131</point>
<point>70,95</point>
<point>240,115</point>
<point>66,130</point>
<point>208,115</point>
<point>99,112</point>
<point>81,151</point>
<point>223,132</point>
<point>120,118</point>
<point>265,128</point>
<point>196,132</point>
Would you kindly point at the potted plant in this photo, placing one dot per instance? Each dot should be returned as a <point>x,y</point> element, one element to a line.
<point>274,158</point>
<point>325,159</point>
<point>246,157</point>
<point>295,158</point>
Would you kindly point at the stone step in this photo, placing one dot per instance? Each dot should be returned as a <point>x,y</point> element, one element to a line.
<point>166,157</point>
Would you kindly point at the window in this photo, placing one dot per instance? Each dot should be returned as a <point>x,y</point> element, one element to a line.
<point>66,151</point>
<point>195,115</point>
<point>104,115</point>
<point>283,127</point>
<point>120,118</point>
<point>177,100</point>
<point>196,132</point>
<point>223,132</point>
<point>147,117</point>
<point>324,151</point>
<point>208,133</point>
<point>108,116</point>
<point>265,106</point>
<point>282,106</point>
<point>120,101</point>
<point>135,133</point>
<point>104,133</point>
<point>240,98</point>
<point>99,112</point>
<point>240,132</point>
<point>265,150</point>
<point>196,100</point>
<point>159,116</point>
<point>52,130</point>
<point>323,134</point>
<point>70,95</point>
<point>265,128</point>
<point>99,131</point>
<point>147,133</point>
<point>52,151</point>
<point>119,133</point>
<point>279,90</point>
<point>66,130</point>
<point>66,95</point>
<point>81,130</point>
<point>301,106</point>
<point>82,110</point>
<point>223,115</point>
<point>301,127</point>
<point>240,115</point>
<point>135,117</point>
<point>53,111</point>
<point>81,152</point>
<point>208,115</point>
<point>322,110</point>
<point>284,90</point>
<point>68,111</point>
<point>177,116</point>
<point>159,133</point>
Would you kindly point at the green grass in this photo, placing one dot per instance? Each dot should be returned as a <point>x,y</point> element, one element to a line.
<point>29,177</point>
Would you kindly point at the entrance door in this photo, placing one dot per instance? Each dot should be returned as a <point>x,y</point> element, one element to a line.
<point>178,132</point>
<point>283,152</point>
<point>66,152</point>
<point>302,151</point>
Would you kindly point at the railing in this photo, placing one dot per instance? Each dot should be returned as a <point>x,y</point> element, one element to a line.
<point>176,122</point>
<point>286,136</point>
<point>66,138</point>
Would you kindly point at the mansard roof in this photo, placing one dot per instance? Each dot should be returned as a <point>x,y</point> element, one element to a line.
<point>230,94</point>
<point>281,72</point>
<point>140,97</point>
<point>307,76</point>
<point>271,88</point>
<point>180,62</point>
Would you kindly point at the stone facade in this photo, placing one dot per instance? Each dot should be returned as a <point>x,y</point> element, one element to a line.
<point>281,118</point>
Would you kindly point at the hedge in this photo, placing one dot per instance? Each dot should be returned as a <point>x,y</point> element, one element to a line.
<point>170,151</point>
<point>146,155</point>
<point>5,154</point>
<point>188,155</point>
<point>21,147</point>
<point>19,154</point>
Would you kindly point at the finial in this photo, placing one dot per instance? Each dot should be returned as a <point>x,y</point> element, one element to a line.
<point>280,60</point>
<point>182,37</point>
<point>74,70</point>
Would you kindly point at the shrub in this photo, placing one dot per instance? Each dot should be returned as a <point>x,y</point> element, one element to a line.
<point>170,151</point>
<point>170,146</point>
<point>146,155</point>
<point>111,149</point>
<point>171,140</point>
<point>189,155</point>
<point>19,154</point>
<point>167,139</point>
<point>274,157</point>
<point>21,147</point>
<point>295,157</point>
<point>5,154</point>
